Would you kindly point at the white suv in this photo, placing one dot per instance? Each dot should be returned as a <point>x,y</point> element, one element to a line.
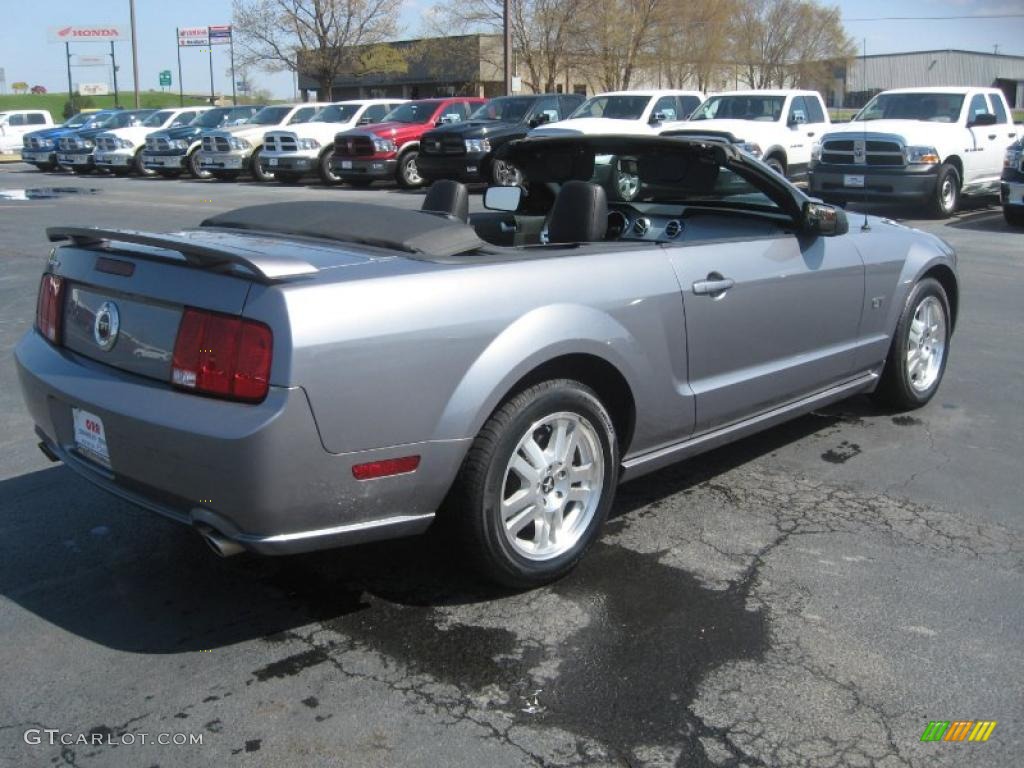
<point>291,153</point>
<point>15,123</point>
<point>630,112</point>
<point>780,127</point>
<point>120,150</point>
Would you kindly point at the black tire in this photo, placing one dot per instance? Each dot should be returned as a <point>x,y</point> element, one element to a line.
<point>777,164</point>
<point>474,502</point>
<point>324,169</point>
<point>945,199</point>
<point>168,174</point>
<point>138,165</point>
<point>360,183</point>
<point>256,168</point>
<point>194,169</point>
<point>406,174</point>
<point>1014,215</point>
<point>505,174</point>
<point>896,388</point>
<point>287,177</point>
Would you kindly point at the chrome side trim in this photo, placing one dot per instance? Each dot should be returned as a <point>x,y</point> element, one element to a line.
<point>662,457</point>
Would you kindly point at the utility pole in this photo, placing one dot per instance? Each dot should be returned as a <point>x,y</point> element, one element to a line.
<point>508,47</point>
<point>209,49</point>
<point>71,93</point>
<point>113,63</point>
<point>234,93</point>
<point>181,86</point>
<point>135,52</point>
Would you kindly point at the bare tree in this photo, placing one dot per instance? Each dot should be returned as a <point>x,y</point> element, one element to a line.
<point>689,43</point>
<point>275,34</point>
<point>618,38</point>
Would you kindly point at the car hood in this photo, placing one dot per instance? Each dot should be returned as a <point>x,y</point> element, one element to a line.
<point>911,131</point>
<point>182,132</point>
<point>135,133</point>
<point>245,131</point>
<point>395,130</point>
<point>316,130</point>
<point>741,130</point>
<point>51,133</point>
<point>478,129</point>
<point>593,126</point>
<point>90,133</point>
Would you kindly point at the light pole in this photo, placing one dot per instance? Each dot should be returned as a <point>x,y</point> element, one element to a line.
<point>507,28</point>
<point>135,53</point>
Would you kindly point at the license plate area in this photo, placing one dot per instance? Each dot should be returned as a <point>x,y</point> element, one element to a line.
<point>91,436</point>
<point>346,163</point>
<point>853,180</point>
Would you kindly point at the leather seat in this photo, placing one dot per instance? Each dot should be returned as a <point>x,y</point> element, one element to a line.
<point>579,215</point>
<point>448,198</point>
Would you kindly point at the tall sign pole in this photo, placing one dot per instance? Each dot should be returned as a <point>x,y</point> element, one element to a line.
<point>135,52</point>
<point>234,84</point>
<point>508,47</point>
<point>213,97</point>
<point>181,85</point>
<point>71,94</point>
<point>113,63</point>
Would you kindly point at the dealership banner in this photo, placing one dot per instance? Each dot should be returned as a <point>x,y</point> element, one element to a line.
<point>90,61</point>
<point>93,89</point>
<point>74,34</point>
<point>220,35</point>
<point>193,36</point>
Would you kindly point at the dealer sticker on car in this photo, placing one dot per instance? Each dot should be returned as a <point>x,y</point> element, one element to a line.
<point>851,180</point>
<point>90,437</point>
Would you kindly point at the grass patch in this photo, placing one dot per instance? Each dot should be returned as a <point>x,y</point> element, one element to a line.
<point>54,102</point>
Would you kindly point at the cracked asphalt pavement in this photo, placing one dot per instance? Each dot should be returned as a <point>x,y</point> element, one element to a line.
<point>812,596</point>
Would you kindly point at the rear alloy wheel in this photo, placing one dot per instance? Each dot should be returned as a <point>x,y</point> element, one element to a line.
<point>408,175</point>
<point>776,164</point>
<point>920,347</point>
<point>258,172</point>
<point>194,168</point>
<point>946,197</point>
<point>537,484</point>
<point>324,170</point>
<point>505,174</point>
<point>138,165</point>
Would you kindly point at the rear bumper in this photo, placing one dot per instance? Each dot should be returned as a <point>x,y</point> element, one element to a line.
<point>880,184</point>
<point>364,168</point>
<point>257,474</point>
<point>456,167</point>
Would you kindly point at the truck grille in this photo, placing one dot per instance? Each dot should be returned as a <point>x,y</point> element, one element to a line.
<point>442,145</point>
<point>106,143</point>
<point>874,152</point>
<point>70,143</point>
<point>280,142</point>
<point>33,143</point>
<point>353,146</point>
<point>215,144</point>
<point>158,144</point>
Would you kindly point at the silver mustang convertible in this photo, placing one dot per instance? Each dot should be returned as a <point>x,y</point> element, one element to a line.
<point>305,375</point>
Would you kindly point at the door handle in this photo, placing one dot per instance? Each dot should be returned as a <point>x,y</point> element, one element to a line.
<point>810,133</point>
<point>992,135</point>
<point>714,285</point>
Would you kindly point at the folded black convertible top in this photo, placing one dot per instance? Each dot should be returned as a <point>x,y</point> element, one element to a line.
<point>413,232</point>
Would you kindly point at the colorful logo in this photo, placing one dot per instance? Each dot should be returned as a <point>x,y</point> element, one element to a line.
<point>958,730</point>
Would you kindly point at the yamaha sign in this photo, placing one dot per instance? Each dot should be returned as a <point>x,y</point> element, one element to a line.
<point>75,34</point>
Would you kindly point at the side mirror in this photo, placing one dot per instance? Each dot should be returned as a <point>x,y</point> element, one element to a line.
<point>365,120</point>
<point>795,120</point>
<point>540,119</point>
<point>503,198</point>
<point>657,117</point>
<point>825,220</point>
<point>983,118</point>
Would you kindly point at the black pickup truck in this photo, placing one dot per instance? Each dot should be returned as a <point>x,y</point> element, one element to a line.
<point>464,151</point>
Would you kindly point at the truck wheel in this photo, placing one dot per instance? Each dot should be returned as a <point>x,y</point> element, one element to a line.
<point>324,170</point>
<point>257,167</point>
<point>537,484</point>
<point>505,174</point>
<point>920,347</point>
<point>194,168</point>
<point>1014,215</point>
<point>775,163</point>
<point>139,167</point>
<point>408,175</point>
<point>946,197</point>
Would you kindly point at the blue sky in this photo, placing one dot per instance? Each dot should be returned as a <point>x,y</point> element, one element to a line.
<point>26,55</point>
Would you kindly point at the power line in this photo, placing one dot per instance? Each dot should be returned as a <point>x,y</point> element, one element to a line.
<point>938,18</point>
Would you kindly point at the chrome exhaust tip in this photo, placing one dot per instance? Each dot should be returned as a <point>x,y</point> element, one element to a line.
<point>222,545</point>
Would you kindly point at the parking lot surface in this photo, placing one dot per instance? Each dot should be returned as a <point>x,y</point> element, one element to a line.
<point>812,596</point>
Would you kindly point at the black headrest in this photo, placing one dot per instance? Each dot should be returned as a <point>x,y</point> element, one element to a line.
<point>580,214</point>
<point>448,197</point>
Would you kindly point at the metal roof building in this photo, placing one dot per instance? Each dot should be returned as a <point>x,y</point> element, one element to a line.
<point>865,76</point>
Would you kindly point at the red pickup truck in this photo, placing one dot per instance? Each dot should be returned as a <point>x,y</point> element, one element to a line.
<point>388,150</point>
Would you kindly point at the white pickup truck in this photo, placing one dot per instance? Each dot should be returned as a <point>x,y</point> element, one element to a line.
<point>632,112</point>
<point>779,127</point>
<point>15,123</point>
<point>921,145</point>
<point>292,152</point>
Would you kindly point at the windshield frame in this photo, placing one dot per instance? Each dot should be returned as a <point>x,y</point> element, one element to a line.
<point>529,101</point>
<point>720,99</point>
<point>169,115</point>
<point>223,112</point>
<point>921,95</point>
<point>391,117</point>
<point>577,113</point>
<point>271,109</point>
<point>316,117</point>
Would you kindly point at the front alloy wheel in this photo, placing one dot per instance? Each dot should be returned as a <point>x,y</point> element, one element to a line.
<point>325,170</point>
<point>505,174</point>
<point>537,484</point>
<point>259,173</point>
<point>408,174</point>
<point>195,169</point>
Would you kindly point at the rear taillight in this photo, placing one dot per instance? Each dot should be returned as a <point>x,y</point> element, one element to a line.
<point>49,306</point>
<point>222,355</point>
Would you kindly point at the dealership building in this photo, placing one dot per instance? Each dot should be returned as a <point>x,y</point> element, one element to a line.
<point>865,76</point>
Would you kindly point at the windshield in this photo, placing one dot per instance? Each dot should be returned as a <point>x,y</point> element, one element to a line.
<point>99,120</point>
<point>615,107</point>
<point>157,119</point>
<point>270,115</point>
<point>741,107</point>
<point>931,107</point>
<point>510,109</point>
<point>210,119</point>
<point>336,113</point>
<point>77,121</point>
<point>411,112</point>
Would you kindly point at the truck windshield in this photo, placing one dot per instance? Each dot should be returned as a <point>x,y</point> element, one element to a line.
<point>615,107</point>
<point>270,115</point>
<point>99,120</point>
<point>212,118</point>
<point>931,107</point>
<point>411,112</point>
<point>336,113</point>
<point>510,109</point>
<point>157,119</point>
<point>77,121</point>
<point>766,109</point>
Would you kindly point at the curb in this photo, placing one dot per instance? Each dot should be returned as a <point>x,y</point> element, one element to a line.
<point>10,158</point>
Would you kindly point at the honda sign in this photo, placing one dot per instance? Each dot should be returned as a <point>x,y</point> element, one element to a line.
<point>193,36</point>
<point>73,34</point>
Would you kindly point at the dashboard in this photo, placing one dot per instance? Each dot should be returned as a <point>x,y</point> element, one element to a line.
<point>668,223</point>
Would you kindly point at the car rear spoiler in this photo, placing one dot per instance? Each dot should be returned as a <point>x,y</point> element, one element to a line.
<point>265,268</point>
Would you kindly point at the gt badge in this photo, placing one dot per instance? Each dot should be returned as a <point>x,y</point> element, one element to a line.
<point>105,326</point>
